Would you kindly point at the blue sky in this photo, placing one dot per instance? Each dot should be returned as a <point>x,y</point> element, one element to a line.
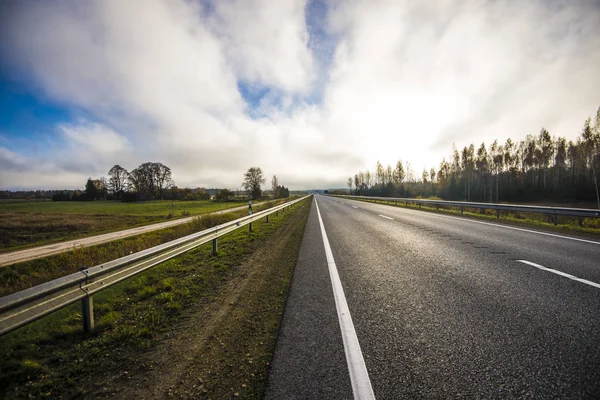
<point>310,91</point>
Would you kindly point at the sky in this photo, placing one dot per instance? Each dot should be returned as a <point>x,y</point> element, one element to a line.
<point>312,91</point>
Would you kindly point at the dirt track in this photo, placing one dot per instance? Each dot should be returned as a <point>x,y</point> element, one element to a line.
<point>55,248</point>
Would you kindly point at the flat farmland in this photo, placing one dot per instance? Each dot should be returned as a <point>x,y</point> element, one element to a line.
<point>30,223</point>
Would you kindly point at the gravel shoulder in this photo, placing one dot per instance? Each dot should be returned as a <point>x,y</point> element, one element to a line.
<point>224,348</point>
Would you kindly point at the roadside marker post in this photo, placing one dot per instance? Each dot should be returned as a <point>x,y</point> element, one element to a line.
<point>250,212</point>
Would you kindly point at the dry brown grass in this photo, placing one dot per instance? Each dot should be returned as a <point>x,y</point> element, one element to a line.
<point>21,229</point>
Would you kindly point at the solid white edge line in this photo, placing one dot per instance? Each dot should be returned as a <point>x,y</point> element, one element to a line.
<point>513,228</point>
<point>554,271</point>
<point>383,216</point>
<point>354,207</point>
<point>359,377</point>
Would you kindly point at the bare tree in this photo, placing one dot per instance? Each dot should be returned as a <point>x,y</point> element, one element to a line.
<point>253,179</point>
<point>152,178</point>
<point>349,183</point>
<point>117,178</point>
<point>163,179</point>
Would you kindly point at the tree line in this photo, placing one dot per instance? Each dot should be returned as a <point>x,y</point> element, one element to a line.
<point>152,181</point>
<point>538,168</point>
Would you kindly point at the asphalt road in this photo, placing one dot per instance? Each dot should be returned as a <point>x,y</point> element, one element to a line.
<point>33,253</point>
<point>443,307</point>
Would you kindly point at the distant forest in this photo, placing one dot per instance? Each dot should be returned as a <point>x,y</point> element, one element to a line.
<point>537,169</point>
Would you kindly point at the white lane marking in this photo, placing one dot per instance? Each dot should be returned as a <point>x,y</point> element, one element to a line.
<point>383,216</point>
<point>554,271</point>
<point>354,207</point>
<point>514,228</point>
<point>359,377</point>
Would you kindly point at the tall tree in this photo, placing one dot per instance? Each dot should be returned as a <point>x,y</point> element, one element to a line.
<point>349,183</point>
<point>275,186</point>
<point>483,169</point>
<point>546,151</point>
<point>163,179</point>
<point>117,178</point>
<point>253,179</point>
<point>497,154</point>
<point>151,178</point>
<point>91,191</point>
<point>591,145</point>
<point>468,166</point>
<point>399,173</point>
<point>380,173</point>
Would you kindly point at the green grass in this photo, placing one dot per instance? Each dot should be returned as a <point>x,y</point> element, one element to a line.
<point>30,273</point>
<point>105,207</point>
<point>588,226</point>
<point>33,223</point>
<point>51,357</point>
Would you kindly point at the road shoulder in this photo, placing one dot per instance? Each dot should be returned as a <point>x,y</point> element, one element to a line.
<point>309,360</point>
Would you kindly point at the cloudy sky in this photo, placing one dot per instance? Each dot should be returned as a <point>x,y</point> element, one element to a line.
<point>309,90</point>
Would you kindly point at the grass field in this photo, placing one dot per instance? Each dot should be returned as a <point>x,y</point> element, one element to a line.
<point>31,223</point>
<point>223,312</point>
<point>30,273</point>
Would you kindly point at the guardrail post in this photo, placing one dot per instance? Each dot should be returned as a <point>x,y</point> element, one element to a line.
<point>462,210</point>
<point>87,308</point>
<point>555,219</point>
<point>267,218</point>
<point>277,213</point>
<point>498,213</point>
<point>214,251</point>
<point>580,221</point>
<point>437,207</point>
<point>87,311</point>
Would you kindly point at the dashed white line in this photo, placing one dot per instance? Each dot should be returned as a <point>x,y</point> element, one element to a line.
<point>354,207</point>
<point>554,271</point>
<point>359,377</point>
<point>514,228</point>
<point>386,217</point>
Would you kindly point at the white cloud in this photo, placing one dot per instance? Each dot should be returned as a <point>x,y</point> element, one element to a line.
<point>267,42</point>
<point>99,139</point>
<point>158,81</point>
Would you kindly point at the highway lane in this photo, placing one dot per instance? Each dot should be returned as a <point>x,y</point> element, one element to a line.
<point>570,254</point>
<point>443,309</point>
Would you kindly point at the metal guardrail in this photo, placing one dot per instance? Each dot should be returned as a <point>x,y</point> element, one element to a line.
<point>28,305</point>
<point>554,211</point>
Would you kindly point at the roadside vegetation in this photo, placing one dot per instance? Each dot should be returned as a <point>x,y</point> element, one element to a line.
<point>198,326</point>
<point>539,169</point>
<point>26,224</point>
<point>23,275</point>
